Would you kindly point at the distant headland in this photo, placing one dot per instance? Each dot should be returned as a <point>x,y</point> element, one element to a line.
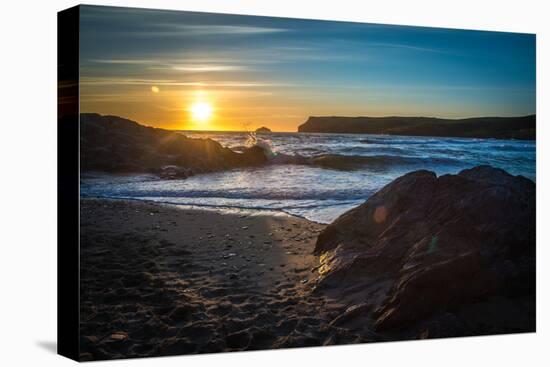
<point>522,127</point>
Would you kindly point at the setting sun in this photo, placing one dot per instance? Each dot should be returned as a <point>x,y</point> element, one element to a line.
<point>201,111</point>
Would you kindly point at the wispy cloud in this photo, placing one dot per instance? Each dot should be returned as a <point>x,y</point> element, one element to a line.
<point>207,30</point>
<point>90,81</point>
<point>198,67</point>
<point>194,31</point>
<point>124,61</point>
<point>407,47</point>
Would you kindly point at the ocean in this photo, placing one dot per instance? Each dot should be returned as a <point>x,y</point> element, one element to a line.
<point>313,192</point>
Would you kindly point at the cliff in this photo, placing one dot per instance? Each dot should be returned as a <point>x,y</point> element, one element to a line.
<point>481,127</point>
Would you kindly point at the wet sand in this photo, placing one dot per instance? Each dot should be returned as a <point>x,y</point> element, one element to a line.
<point>159,280</point>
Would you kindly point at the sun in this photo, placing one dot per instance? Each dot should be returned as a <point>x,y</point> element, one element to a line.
<point>201,111</point>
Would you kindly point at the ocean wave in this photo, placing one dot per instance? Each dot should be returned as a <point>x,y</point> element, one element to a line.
<point>317,176</point>
<point>322,211</point>
<point>318,196</point>
<point>370,150</point>
<point>345,162</point>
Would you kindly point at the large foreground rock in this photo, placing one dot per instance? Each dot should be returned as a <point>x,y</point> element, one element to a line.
<point>114,144</point>
<point>437,256</point>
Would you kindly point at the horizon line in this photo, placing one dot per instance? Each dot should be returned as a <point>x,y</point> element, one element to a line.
<point>311,116</point>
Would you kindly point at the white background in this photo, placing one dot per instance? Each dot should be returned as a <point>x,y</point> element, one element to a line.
<point>28,182</point>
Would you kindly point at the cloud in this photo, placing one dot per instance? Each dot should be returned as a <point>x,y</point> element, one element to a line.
<point>208,30</point>
<point>195,67</point>
<point>124,61</point>
<point>91,81</point>
<point>194,31</point>
<point>407,47</point>
<point>199,68</point>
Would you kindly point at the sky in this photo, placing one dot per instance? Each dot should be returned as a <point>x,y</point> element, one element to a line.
<point>204,71</point>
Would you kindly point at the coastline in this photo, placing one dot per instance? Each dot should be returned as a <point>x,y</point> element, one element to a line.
<point>239,211</point>
<point>158,280</point>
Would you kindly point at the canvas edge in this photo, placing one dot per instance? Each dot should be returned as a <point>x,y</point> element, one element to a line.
<point>68,212</point>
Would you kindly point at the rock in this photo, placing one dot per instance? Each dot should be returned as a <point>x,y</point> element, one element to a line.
<point>115,144</point>
<point>425,245</point>
<point>351,313</point>
<point>171,172</point>
<point>443,326</point>
<point>263,129</point>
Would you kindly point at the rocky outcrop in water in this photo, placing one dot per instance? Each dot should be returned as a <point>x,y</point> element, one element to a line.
<point>522,127</point>
<point>114,144</point>
<point>431,256</point>
<point>263,129</point>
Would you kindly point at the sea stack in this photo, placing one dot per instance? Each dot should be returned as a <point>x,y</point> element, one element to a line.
<point>263,129</point>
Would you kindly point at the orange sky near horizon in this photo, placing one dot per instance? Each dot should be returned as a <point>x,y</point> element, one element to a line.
<point>172,108</point>
<point>233,108</point>
<point>238,107</point>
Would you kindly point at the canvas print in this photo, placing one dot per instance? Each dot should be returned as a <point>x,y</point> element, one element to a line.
<point>251,183</point>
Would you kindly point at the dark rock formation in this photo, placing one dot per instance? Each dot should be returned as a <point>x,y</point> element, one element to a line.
<point>263,129</point>
<point>480,127</point>
<point>431,256</point>
<point>114,144</point>
<point>175,172</point>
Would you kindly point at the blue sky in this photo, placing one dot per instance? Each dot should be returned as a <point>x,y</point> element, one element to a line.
<point>278,71</point>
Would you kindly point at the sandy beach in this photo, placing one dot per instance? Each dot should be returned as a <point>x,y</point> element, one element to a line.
<point>158,280</point>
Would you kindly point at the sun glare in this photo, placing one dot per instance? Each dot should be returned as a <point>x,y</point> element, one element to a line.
<point>201,111</point>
